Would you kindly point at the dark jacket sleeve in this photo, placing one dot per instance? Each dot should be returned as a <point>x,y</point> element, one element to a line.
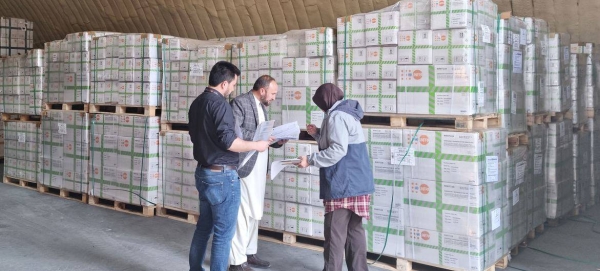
<point>225,123</point>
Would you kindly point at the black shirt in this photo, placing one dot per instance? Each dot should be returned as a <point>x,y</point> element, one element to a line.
<point>212,129</point>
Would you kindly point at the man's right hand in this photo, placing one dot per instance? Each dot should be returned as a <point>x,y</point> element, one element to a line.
<point>261,146</point>
<point>311,129</point>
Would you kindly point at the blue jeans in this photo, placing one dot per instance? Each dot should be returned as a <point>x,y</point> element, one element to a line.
<point>219,194</point>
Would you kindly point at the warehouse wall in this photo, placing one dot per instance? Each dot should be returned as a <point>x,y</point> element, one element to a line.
<point>205,19</point>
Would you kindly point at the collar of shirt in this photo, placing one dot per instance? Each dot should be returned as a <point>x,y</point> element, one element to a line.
<point>212,90</point>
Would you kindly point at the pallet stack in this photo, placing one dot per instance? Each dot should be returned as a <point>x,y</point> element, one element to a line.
<point>21,144</point>
<point>21,79</point>
<point>16,36</point>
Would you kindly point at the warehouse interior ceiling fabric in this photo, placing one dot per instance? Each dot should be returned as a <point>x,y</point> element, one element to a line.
<point>207,19</point>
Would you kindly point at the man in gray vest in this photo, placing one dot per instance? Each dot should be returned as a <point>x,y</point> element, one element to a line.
<point>249,110</point>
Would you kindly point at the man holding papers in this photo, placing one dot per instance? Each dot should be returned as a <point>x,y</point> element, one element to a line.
<point>249,110</point>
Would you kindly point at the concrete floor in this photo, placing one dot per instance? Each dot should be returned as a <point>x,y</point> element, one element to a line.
<point>42,232</point>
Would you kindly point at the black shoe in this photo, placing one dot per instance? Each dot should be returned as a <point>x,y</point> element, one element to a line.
<point>241,267</point>
<point>256,262</point>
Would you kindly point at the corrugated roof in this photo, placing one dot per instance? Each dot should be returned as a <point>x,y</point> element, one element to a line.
<point>206,19</point>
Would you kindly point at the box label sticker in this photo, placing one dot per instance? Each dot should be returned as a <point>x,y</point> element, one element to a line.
<point>399,152</point>
<point>537,163</point>
<point>515,195</point>
<point>517,59</point>
<point>513,103</point>
<point>520,172</point>
<point>566,54</point>
<point>491,170</point>
<point>487,34</point>
<point>515,42</point>
<point>523,35</point>
<point>496,218</point>
<point>21,137</point>
<point>480,93</point>
<point>196,69</point>
<point>62,128</point>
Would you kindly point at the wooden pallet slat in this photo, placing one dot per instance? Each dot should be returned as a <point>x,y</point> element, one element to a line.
<point>75,106</point>
<point>177,214</point>
<point>146,110</point>
<point>171,126</point>
<point>517,139</point>
<point>20,182</point>
<point>20,117</point>
<point>146,211</point>
<point>537,118</point>
<point>64,193</point>
<point>450,122</point>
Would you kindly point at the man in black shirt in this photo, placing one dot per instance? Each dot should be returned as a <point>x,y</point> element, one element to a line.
<point>216,146</point>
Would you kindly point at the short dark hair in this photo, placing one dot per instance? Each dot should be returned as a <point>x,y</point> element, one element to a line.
<point>263,82</point>
<point>222,71</point>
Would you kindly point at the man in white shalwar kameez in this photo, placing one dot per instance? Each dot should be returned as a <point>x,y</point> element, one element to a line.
<point>249,110</point>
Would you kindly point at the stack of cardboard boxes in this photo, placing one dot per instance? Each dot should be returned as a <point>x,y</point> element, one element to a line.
<point>124,158</point>
<point>22,150</point>
<point>560,170</point>
<point>535,65</point>
<point>177,186</point>
<point>16,36</point>
<point>187,65</point>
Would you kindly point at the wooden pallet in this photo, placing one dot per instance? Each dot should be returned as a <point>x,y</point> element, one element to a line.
<point>20,117</point>
<point>146,211</point>
<point>591,113</point>
<point>63,193</point>
<point>517,139</point>
<point>177,214</point>
<point>174,126</point>
<point>316,244</point>
<point>78,106</point>
<point>20,183</point>
<point>537,230</point>
<point>147,110</point>
<point>559,116</point>
<point>537,118</point>
<point>452,122</point>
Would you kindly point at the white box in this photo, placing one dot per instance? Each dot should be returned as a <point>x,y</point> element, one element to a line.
<point>320,42</point>
<point>351,31</point>
<point>415,47</point>
<point>382,28</point>
<point>415,14</point>
<point>382,63</point>
<point>321,70</point>
<point>352,64</point>
<point>295,72</point>
<point>381,96</point>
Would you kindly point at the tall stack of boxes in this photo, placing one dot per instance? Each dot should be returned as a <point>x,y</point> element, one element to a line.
<point>594,127</point>
<point>538,149</point>
<point>68,68</point>
<point>304,71</point>
<point>560,170</point>
<point>511,85</point>
<point>177,186</point>
<point>535,64</point>
<point>105,70</point>
<point>582,148</point>
<point>16,36</point>
<point>34,81</point>
<point>577,65</point>
<point>559,96</point>
<point>462,79</point>
<point>65,150</point>
<point>519,188</point>
<point>187,66</point>
<point>352,57</point>
<point>13,99</point>
<point>22,150</point>
<point>124,156</point>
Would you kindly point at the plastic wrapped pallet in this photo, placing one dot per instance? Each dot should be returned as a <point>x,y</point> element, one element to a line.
<point>578,107</point>
<point>65,153</point>
<point>511,85</point>
<point>559,164</point>
<point>586,72</point>
<point>124,156</point>
<point>13,88</point>
<point>594,127</point>
<point>582,150</point>
<point>22,150</point>
<point>105,70</point>
<point>415,14</point>
<point>537,170</point>
<point>16,36</point>
<point>559,95</point>
<point>68,68</point>
<point>187,65</point>
<point>382,142</point>
<point>535,64</point>
<point>518,189</point>
<point>444,89</point>
<point>177,187</point>
<point>34,81</point>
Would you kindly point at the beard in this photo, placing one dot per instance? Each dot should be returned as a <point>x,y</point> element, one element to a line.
<point>263,100</point>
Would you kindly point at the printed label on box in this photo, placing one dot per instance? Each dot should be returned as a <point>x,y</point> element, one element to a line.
<point>520,172</point>
<point>496,218</point>
<point>491,168</point>
<point>513,103</point>
<point>62,128</point>
<point>515,195</point>
<point>399,158</point>
<point>517,59</point>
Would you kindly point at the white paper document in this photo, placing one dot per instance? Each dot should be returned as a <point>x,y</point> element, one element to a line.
<point>278,166</point>
<point>287,131</point>
<point>263,132</point>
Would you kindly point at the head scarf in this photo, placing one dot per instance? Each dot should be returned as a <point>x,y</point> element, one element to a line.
<point>327,95</point>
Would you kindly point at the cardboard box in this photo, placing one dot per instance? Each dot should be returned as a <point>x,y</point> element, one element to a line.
<point>382,28</point>
<point>320,42</point>
<point>381,96</point>
<point>351,31</point>
<point>381,63</point>
<point>415,14</point>
<point>295,72</point>
<point>295,101</point>
<point>415,47</point>
<point>321,71</point>
<point>352,64</point>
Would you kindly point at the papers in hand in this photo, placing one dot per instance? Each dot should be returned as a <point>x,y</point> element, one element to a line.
<point>263,132</point>
<point>287,131</point>
<point>278,166</point>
